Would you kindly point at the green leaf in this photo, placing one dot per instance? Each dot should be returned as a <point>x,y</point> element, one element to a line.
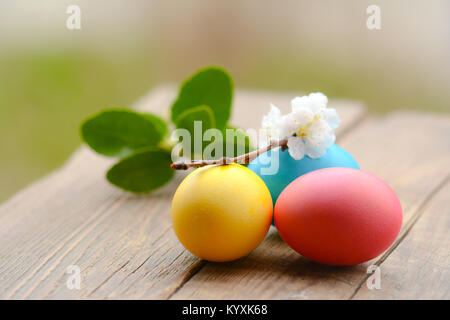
<point>238,142</point>
<point>159,123</point>
<point>200,113</point>
<point>143,171</point>
<point>187,120</point>
<point>212,87</point>
<point>232,144</point>
<point>119,132</point>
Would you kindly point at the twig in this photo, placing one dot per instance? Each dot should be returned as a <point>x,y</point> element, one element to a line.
<point>245,158</point>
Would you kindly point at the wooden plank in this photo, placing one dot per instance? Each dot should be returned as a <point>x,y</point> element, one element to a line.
<point>123,244</point>
<point>408,150</point>
<point>419,268</point>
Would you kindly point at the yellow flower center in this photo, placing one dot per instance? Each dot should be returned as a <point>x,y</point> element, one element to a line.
<point>303,131</point>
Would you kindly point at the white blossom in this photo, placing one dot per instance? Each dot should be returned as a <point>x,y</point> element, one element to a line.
<point>270,118</point>
<point>309,127</point>
<point>296,147</point>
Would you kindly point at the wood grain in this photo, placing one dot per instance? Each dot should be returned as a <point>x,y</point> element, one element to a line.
<point>419,268</point>
<point>123,244</point>
<point>408,150</point>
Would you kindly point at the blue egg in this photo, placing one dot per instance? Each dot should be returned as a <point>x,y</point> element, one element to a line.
<point>290,169</point>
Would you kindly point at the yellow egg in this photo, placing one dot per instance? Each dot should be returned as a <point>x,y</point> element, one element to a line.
<point>221,213</point>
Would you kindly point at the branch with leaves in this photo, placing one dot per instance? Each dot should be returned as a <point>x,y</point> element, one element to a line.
<point>140,140</point>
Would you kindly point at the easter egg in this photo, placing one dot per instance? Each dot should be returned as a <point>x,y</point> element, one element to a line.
<point>277,168</point>
<point>221,213</point>
<point>338,216</point>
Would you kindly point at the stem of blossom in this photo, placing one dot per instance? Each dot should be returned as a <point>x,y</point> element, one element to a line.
<point>243,159</point>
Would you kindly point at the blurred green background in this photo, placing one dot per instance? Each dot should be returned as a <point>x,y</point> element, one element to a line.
<point>51,78</point>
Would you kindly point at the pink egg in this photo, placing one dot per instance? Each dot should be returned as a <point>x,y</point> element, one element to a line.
<point>338,216</point>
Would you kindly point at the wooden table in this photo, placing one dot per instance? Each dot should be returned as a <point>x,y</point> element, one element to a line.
<point>126,249</point>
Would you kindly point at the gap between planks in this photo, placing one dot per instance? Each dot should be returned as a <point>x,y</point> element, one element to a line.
<point>352,125</point>
<point>40,275</point>
<point>410,161</point>
<point>34,277</point>
<point>405,231</point>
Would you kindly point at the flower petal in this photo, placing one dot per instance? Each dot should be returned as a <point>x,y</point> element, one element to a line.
<point>315,152</point>
<point>296,148</point>
<point>309,127</point>
<point>318,129</point>
<point>320,137</point>
<point>286,126</point>
<point>301,117</point>
<point>317,101</point>
<point>270,119</point>
<point>300,103</point>
<point>332,117</point>
<point>314,102</point>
